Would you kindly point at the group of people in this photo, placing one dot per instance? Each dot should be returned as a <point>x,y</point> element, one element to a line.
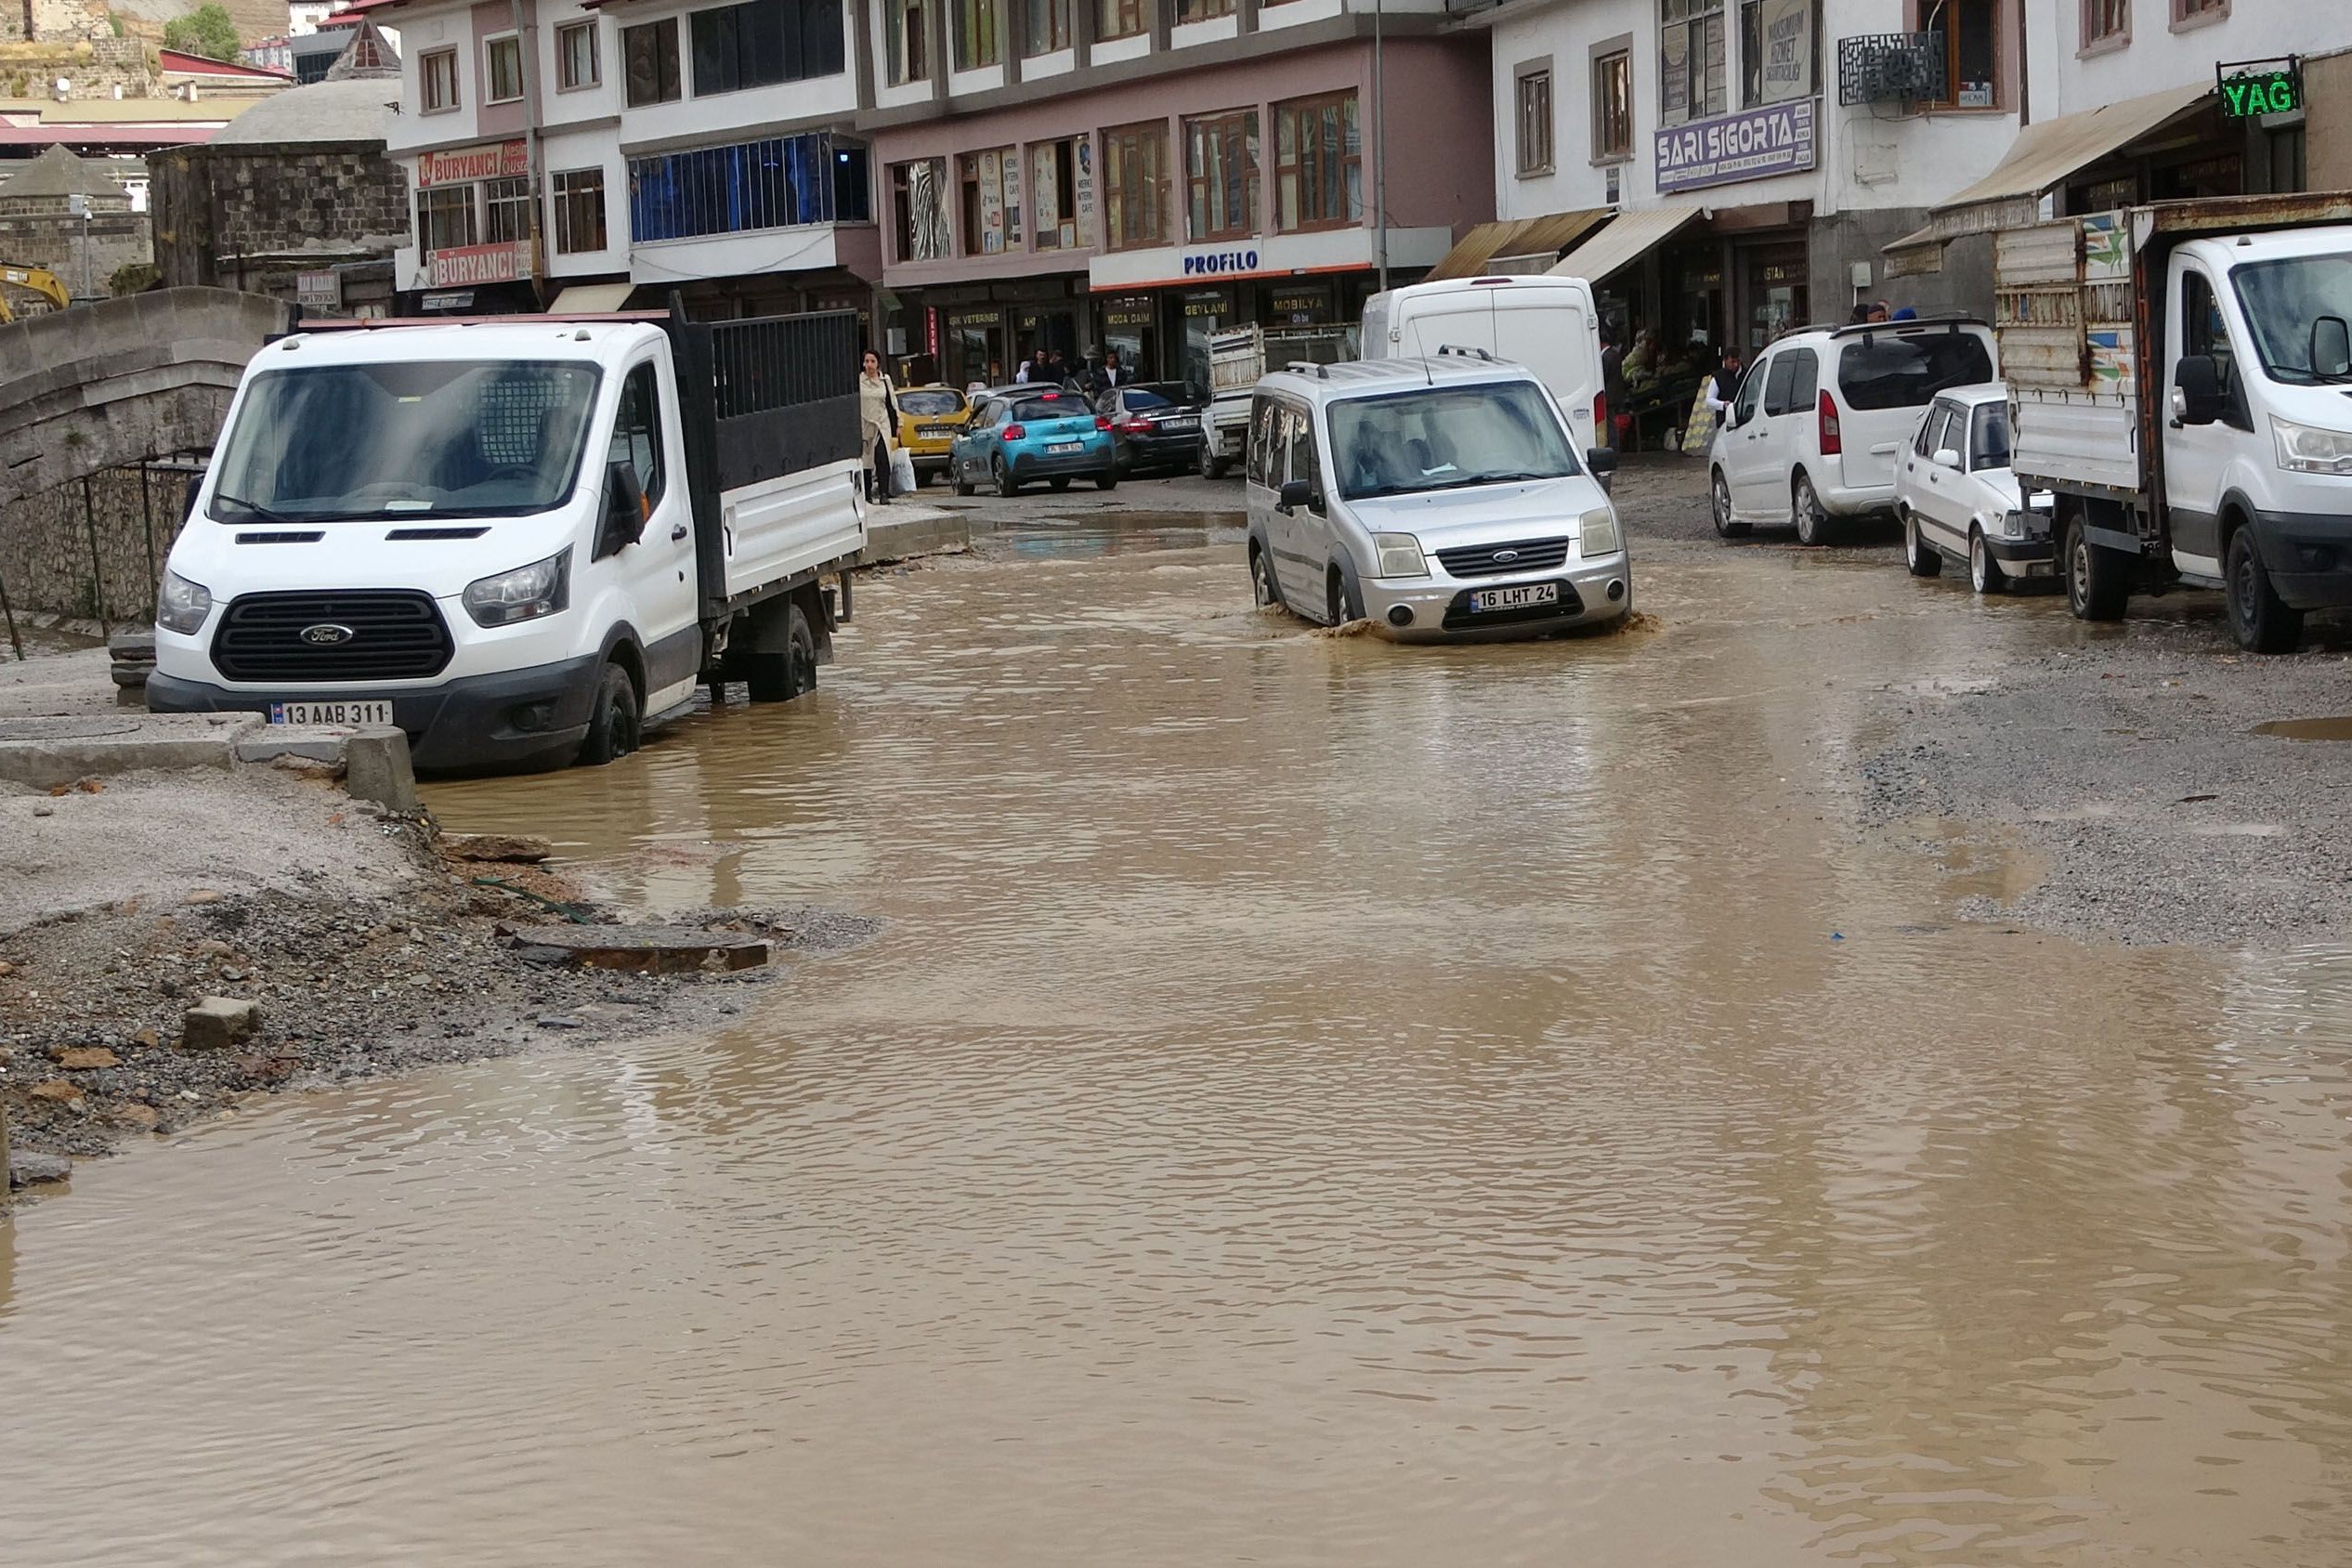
<point>878,402</point>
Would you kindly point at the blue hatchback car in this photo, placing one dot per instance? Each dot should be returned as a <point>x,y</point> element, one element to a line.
<point>1018,438</point>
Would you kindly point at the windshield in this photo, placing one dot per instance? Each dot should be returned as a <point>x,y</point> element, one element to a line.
<point>1989,436</point>
<point>931,403</point>
<point>2282,299</point>
<point>335,443</point>
<point>1445,439</point>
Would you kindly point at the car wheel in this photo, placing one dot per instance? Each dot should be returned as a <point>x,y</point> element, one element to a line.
<point>617,722</point>
<point>1919,557</point>
<point>1342,603</point>
<point>1006,484</point>
<point>1262,586</point>
<point>1725,528</point>
<point>1107,481</point>
<point>958,483</point>
<point>2098,578</point>
<point>1985,573</point>
<point>1812,526</point>
<point>2261,621</point>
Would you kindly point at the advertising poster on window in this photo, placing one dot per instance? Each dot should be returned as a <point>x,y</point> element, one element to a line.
<point>1047,202</point>
<point>991,204</point>
<point>1012,167</point>
<point>1674,74</point>
<point>1788,49</point>
<point>1084,188</point>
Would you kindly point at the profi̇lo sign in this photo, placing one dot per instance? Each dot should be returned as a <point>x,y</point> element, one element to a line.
<point>1220,264</point>
<point>2253,87</point>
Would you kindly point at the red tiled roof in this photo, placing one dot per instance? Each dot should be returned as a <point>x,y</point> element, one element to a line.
<point>197,65</point>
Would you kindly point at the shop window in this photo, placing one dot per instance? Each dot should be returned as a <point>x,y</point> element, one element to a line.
<point>445,217</point>
<point>2106,24</point>
<point>1691,75</point>
<point>580,210</point>
<point>1056,191</point>
<point>649,55</point>
<point>1202,10</point>
<point>1535,121</point>
<point>436,81</point>
<point>778,183</point>
<point>1221,175</point>
<point>505,211</point>
<point>906,43</point>
<point>977,41</point>
<point>1117,18</point>
<point>1971,31</point>
<point>1135,185</point>
<point>919,209</point>
<point>502,69</point>
<point>765,43</point>
<point>990,182</point>
<point>576,64</point>
<point>1045,26</point>
<point>1318,163</point>
<point>1613,106</point>
<point>1776,52</point>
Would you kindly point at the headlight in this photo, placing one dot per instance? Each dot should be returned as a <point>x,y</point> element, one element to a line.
<point>1400,555</point>
<point>2306,449</point>
<point>2012,524</point>
<point>525,594</point>
<point>181,606</point>
<point>1597,533</point>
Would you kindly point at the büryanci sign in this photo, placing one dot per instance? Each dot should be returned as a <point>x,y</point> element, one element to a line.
<point>1775,139</point>
<point>2254,88</point>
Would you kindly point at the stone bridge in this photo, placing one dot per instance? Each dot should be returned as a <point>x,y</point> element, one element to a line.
<point>123,381</point>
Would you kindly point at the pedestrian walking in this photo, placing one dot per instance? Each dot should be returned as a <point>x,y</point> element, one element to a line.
<point>1108,376</point>
<point>877,425</point>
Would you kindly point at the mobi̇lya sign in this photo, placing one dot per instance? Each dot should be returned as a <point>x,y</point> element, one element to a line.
<point>1775,139</point>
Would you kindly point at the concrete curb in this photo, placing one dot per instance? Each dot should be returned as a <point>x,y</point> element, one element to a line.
<point>906,530</point>
<point>49,752</point>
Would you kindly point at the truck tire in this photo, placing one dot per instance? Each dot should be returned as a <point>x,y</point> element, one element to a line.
<point>1805,509</point>
<point>1919,557</point>
<point>1211,465</point>
<point>616,723</point>
<point>783,663</point>
<point>2259,620</point>
<point>2098,580</point>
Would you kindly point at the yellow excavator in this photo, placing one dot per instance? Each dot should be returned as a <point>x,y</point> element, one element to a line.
<point>40,279</point>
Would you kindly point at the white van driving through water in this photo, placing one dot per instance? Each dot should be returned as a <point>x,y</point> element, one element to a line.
<point>1544,322</point>
<point>522,541</point>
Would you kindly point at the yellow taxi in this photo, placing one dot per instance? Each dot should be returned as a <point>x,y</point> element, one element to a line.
<point>930,418</point>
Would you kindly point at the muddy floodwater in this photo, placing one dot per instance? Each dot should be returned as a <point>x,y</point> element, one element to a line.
<point>1314,1102</point>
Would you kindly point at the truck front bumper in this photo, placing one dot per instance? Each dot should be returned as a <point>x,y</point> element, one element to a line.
<point>512,721</point>
<point>2309,556</point>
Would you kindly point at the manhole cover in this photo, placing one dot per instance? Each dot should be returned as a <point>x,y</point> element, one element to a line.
<point>62,729</point>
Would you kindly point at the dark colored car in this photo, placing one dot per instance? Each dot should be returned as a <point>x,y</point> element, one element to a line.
<point>1154,425</point>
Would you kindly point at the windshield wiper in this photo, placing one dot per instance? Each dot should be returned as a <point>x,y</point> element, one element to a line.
<point>257,508</point>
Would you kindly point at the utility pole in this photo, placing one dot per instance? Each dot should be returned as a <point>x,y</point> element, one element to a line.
<point>79,207</point>
<point>1380,146</point>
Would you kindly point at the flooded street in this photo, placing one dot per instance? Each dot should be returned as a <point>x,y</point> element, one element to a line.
<point>1312,1101</point>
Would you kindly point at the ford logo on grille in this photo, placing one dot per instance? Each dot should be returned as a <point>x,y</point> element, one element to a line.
<point>1506,554</point>
<point>327,634</point>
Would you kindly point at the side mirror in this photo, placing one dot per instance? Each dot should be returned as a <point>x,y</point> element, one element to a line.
<point>2331,346</point>
<point>625,519</point>
<point>2196,397</point>
<point>1295,495</point>
<point>1946,457</point>
<point>1602,460</point>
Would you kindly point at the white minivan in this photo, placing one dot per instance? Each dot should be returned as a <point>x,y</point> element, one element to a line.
<point>1822,416</point>
<point>1544,323</point>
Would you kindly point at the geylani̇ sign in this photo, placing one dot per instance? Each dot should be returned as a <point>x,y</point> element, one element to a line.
<point>1776,139</point>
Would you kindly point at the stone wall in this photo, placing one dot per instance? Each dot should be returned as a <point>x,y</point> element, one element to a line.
<point>92,69</point>
<point>213,206</point>
<point>55,240</point>
<point>45,557</point>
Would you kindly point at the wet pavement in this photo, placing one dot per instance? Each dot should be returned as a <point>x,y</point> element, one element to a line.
<point>1314,1102</point>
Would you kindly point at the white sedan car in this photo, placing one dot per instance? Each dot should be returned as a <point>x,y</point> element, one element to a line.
<point>1957,498</point>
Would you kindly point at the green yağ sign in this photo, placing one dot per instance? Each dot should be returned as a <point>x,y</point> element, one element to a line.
<point>2268,92</point>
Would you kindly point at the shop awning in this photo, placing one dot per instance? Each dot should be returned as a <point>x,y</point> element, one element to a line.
<point>2042,156</point>
<point>591,299</point>
<point>1626,241</point>
<point>1524,239</point>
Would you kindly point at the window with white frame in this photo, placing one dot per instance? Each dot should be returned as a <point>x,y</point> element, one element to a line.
<point>906,42</point>
<point>445,218</point>
<point>1690,73</point>
<point>1776,51</point>
<point>576,64</point>
<point>580,210</point>
<point>1535,119</point>
<point>505,211</point>
<point>502,69</point>
<point>436,81</point>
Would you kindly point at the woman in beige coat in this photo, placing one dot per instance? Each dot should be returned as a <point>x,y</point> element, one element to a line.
<point>877,425</point>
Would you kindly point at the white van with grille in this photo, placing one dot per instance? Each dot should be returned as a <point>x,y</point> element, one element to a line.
<point>1547,323</point>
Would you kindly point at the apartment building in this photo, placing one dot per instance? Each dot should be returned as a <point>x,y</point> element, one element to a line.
<point>978,178</point>
<point>1724,169</point>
